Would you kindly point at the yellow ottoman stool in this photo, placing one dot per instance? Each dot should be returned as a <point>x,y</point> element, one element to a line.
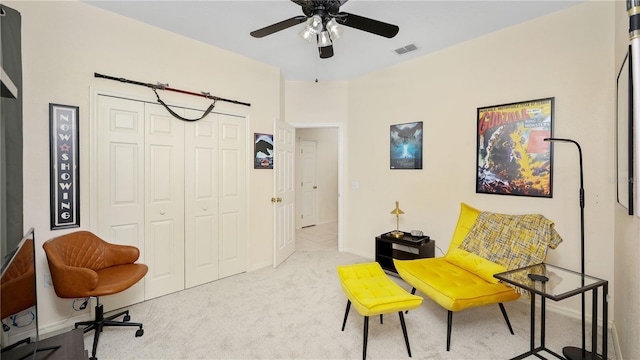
<point>372,293</point>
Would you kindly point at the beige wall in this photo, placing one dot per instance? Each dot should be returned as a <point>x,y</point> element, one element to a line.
<point>567,55</point>
<point>627,237</point>
<point>64,43</point>
<point>570,55</point>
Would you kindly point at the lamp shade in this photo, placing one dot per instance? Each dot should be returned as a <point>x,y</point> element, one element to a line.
<point>397,210</point>
<point>307,34</point>
<point>324,39</point>
<point>335,30</point>
<point>315,23</point>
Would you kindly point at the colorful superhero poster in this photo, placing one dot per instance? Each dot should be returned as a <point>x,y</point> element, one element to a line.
<point>406,146</point>
<point>263,151</point>
<point>513,158</point>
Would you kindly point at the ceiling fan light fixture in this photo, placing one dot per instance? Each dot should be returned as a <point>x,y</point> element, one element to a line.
<point>315,23</point>
<point>324,39</point>
<point>307,34</point>
<point>334,28</point>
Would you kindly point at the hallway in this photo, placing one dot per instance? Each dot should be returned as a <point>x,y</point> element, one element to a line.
<point>323,237</point>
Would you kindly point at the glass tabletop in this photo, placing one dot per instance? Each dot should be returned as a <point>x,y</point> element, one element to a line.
<point>558,283</point>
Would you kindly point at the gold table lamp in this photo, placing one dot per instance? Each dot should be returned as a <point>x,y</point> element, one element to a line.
<point>397,233</point>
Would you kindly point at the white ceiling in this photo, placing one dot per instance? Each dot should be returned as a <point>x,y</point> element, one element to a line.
<point>430,25</point>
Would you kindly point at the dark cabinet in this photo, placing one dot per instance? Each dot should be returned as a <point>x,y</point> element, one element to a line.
<point>404,248</point>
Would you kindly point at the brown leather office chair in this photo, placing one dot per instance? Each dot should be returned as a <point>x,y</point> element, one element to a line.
<point>83,265</point>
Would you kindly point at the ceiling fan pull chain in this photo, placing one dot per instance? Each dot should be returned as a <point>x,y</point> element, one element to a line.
<point>173,113</point>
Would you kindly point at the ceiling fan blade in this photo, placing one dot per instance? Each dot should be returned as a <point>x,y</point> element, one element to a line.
<point>368,25</point>
<point>307,6</point>
<point>326,51</point>
<point>268,30</point>
<point>303,3</point>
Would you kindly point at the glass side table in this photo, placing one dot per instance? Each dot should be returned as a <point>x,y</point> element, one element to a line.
<point>558,284</point>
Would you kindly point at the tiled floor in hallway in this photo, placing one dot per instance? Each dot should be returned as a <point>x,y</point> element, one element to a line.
<point>323,237</point>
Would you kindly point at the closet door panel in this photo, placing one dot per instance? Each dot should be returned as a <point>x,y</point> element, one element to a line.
<point>233,222</point>
<point>120,182</point>
<point>201,201</point>
<point>164,210</point>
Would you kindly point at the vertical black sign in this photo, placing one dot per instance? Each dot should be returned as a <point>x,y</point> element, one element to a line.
<point>65,169</point>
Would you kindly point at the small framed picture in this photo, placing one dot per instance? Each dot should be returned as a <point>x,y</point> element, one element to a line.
<point>406,146</point>
<point>263,151</point>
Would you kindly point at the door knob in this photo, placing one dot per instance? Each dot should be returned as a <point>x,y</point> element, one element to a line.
<point>273,200</point>
<point>162,212</point>
<point>315,187</point>
<point>279,199</point>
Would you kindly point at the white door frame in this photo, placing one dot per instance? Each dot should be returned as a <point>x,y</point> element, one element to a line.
<point>311,188</point>
<point>340,128</point>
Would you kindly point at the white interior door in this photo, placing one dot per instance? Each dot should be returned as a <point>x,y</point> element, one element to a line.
<point>308,183</point>
<point>232,145</point>
<point>120,177</point>
<point>201,200</point>
<point>164,210</point>
<point>284,200</point>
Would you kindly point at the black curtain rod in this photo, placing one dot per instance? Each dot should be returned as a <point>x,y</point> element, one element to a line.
<point>166,87</point>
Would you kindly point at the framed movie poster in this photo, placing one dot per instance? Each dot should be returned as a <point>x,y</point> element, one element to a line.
<point>512,156</point>
<point>65,166</point>
<point>406,146</point>
<point>263,151</point>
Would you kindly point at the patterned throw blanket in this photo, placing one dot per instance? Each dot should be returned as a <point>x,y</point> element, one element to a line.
<point>513,241</point>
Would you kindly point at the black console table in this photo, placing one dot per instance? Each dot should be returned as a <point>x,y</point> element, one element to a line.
<point>66,346</point>
<point>386,252</point>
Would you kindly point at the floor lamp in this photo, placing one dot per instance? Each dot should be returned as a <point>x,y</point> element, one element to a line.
<point>572,352</point>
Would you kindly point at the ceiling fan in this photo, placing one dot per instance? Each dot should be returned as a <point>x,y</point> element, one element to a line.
<point>323,19</point>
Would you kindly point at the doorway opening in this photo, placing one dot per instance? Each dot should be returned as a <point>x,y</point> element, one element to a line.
<point>319,159</point>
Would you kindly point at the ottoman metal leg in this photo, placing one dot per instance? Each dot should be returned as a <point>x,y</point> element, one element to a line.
<point>346,314</point>
<point>404,332</point>
<point>366,333</point>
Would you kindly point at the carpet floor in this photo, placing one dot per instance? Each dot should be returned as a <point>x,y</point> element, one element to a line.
<point>295,312</point>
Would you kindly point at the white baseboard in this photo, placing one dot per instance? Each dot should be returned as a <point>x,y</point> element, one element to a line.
<point>62,326</point>
<point>616,341</point>
<point>259,266</point>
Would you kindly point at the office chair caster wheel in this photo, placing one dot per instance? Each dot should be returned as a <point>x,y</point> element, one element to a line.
<point>93,358</point>
<point>139,332</point>
<point>126,318</point>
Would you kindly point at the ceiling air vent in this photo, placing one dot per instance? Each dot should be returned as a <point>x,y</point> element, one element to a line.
<point>406,49</point>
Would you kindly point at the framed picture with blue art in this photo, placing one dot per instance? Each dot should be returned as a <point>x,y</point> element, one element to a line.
<point>406,146</point>
<point>263,151</point>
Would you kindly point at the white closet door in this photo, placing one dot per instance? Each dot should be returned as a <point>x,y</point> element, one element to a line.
<point>164,210</point>
<point>232,192</point>
<point>120,182</point>
<point>201,200</point>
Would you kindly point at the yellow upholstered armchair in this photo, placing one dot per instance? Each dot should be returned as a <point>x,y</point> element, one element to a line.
<point>463,279</point>
<point>83,265</point>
